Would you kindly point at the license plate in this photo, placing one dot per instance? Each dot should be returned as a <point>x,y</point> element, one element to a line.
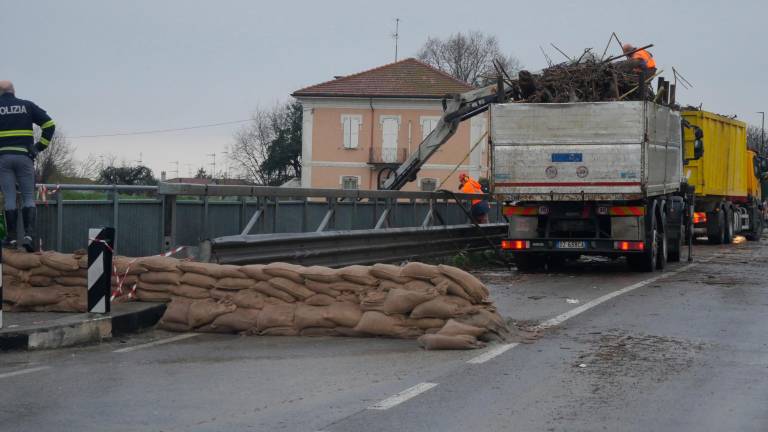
<point>571,244</point>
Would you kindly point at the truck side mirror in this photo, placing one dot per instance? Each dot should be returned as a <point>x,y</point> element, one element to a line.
<point>764,166</point>
<point>698,148</point>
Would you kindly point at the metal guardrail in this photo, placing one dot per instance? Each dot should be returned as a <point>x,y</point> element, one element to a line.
<point>341,248</point>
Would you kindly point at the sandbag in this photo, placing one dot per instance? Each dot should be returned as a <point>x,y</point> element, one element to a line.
<point>173,326</point>
<point>344,314</point>
<point>34,296</point>
<point>159,263</point>
<point>419,270</point>
<point>456,328</point>
<point>124,265</point>
<point>442,307</point>
<point>9,270</point>
<point>471,284</point>
<point>321,274</point>
<point>189,291</point>
<point>177,311</point>
<point>358,274</point>
<point>23,277</point>
<point>379,324</point>
<point>161,277</point>
<point>348,332</point>
<point>205,269</point>
<point>296,290</point>
<point>40,281</point>
<point>202,312</point>
<point>388,285</point>
<point>320,300</point>
<point>248,298</point>
<point>348,297</point>
<point>486,319</point>
<point>321,287</point>
<point>198,280</point>
<point>350,287</point>
<point>317,332</point>
<point>126,281</point>
<point>21,260</point>
<point>240,320</point>
<point>276,315</point>
<point>231,271</point>
<point>231,283</point>
<point>222,294</point>
<point>443,283</point>
<point>389,272</point>
<point>44,270</point>
<point>59,261</point>
<point>373,300</point>
<point>403,301</point>
<point>312,316</point>
<point>255,271</point>
<point>444,342</point>
<point>156,287</point>
<point>152,296</point>
<point>283,270</point>
<point>268,290</point>
<point>279,331</point>
<point>426,323</point>
<point>418,285</point>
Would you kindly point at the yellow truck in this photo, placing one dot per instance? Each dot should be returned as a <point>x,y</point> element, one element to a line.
<point>726,177</point>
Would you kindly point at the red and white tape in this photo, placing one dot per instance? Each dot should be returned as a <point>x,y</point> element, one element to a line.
<point>118,291</point>
<point>43,191</point>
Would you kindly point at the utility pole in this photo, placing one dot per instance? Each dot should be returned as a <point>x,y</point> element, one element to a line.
<point>396,35</point>
<point>762,134</point>
<point>176,163</point>
<point>213,174</point>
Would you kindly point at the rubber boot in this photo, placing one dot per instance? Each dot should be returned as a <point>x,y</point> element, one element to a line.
<point>11,218</point>
<point>29,214</point>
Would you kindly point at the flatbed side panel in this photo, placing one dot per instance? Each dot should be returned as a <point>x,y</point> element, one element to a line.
<point>664,151</point>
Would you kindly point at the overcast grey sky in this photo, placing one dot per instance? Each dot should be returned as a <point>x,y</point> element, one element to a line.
<point>101,67</point>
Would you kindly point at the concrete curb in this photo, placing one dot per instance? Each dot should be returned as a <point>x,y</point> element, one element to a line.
<point>82,328</point>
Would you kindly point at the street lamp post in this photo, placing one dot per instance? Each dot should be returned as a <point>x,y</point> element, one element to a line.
<point>762,133</point>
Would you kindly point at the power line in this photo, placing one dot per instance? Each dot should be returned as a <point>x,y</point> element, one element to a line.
<point>156,131</point>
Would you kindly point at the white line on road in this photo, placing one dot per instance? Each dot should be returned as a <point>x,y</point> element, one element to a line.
<point>589,305</point>
<point>402,396</point>
<point>491,353</point>
<point>157,342</point>
<point>23,371</point>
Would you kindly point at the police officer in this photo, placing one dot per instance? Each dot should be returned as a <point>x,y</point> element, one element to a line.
<point>18,150</point>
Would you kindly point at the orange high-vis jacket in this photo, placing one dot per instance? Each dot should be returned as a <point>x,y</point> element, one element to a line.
<point>646,57</point>
<point>471,186</point>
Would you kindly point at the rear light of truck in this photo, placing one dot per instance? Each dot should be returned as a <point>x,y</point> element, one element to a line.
<point>626,211</point>
<point>699,217</point>
<point>629,245</point>
<point>515,244</point>
<point>521,211</point>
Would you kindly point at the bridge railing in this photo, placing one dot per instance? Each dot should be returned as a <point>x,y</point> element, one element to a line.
<point>152,219</point>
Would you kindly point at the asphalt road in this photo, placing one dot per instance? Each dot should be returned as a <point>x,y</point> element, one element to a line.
<point>685,351</point>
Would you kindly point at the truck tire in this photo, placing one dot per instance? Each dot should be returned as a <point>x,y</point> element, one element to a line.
<point>715,227</point>
<point>675,228</point>
<point>663,250</point>
<point>675,245</point>
<point>526,262</point>
<point>728,232</point>
<point>756,225</point>
<point>648,260</point>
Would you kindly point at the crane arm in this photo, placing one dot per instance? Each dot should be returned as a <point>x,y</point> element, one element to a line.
<point>456,109</point>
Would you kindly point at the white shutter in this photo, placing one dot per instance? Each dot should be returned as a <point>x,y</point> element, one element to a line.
<point>350,126</point>
<point>428,124</point>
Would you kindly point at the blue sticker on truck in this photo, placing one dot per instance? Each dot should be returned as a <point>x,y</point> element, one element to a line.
<point>567,157</point>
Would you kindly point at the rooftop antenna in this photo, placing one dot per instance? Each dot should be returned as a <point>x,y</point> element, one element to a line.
<point>396,35</point>
<point>213,175</point>
<point>176,163</point>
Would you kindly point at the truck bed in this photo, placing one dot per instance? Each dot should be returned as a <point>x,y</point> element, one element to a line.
<point>578,151</point>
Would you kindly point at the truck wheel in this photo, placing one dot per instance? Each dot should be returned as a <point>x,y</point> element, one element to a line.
<point>663,251</point>
<point>728,232</point>
<point>529,262</point>
<point>648,260</point>
<point>757,226</point>
<point>715,227</point>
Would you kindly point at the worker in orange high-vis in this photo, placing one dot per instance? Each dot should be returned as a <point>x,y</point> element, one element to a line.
<point>480,207</point>
<point>641,59</point>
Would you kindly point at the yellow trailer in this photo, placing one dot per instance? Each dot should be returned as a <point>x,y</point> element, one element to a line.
<point>726,178</point>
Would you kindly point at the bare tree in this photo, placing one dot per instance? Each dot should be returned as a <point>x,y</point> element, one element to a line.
<point>755,139</point>
<point>57,161</point>
<point>469,57</point>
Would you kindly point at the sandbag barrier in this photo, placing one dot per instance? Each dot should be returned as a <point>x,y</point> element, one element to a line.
<point>442,306</point>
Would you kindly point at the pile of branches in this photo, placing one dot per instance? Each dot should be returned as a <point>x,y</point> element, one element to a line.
<point>583,81</point>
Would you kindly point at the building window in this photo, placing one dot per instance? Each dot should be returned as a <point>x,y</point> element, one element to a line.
<point>350,126</point>
<point>428,124</point>
<point>390,128</point>
<point>350,182</point>
<point>428,184</point>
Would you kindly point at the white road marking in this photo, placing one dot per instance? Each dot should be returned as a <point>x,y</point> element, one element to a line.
<point>402,396</point>
<point>157,342</point>
<point>491,353</point>
<point>23,371</point>
<point>589,305</point>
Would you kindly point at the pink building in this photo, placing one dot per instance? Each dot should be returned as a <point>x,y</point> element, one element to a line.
<point>354,126</point>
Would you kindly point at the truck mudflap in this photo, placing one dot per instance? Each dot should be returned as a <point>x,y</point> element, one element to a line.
<point>573,246</point>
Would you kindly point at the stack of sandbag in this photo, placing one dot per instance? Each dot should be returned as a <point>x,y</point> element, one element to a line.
<point>444,307</point>
<point>43,282</point>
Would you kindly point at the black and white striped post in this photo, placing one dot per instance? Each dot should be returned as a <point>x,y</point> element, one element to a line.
<point>100,243</point>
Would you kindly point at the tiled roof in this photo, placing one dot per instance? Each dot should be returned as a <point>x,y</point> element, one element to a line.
<point>406,78</point>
